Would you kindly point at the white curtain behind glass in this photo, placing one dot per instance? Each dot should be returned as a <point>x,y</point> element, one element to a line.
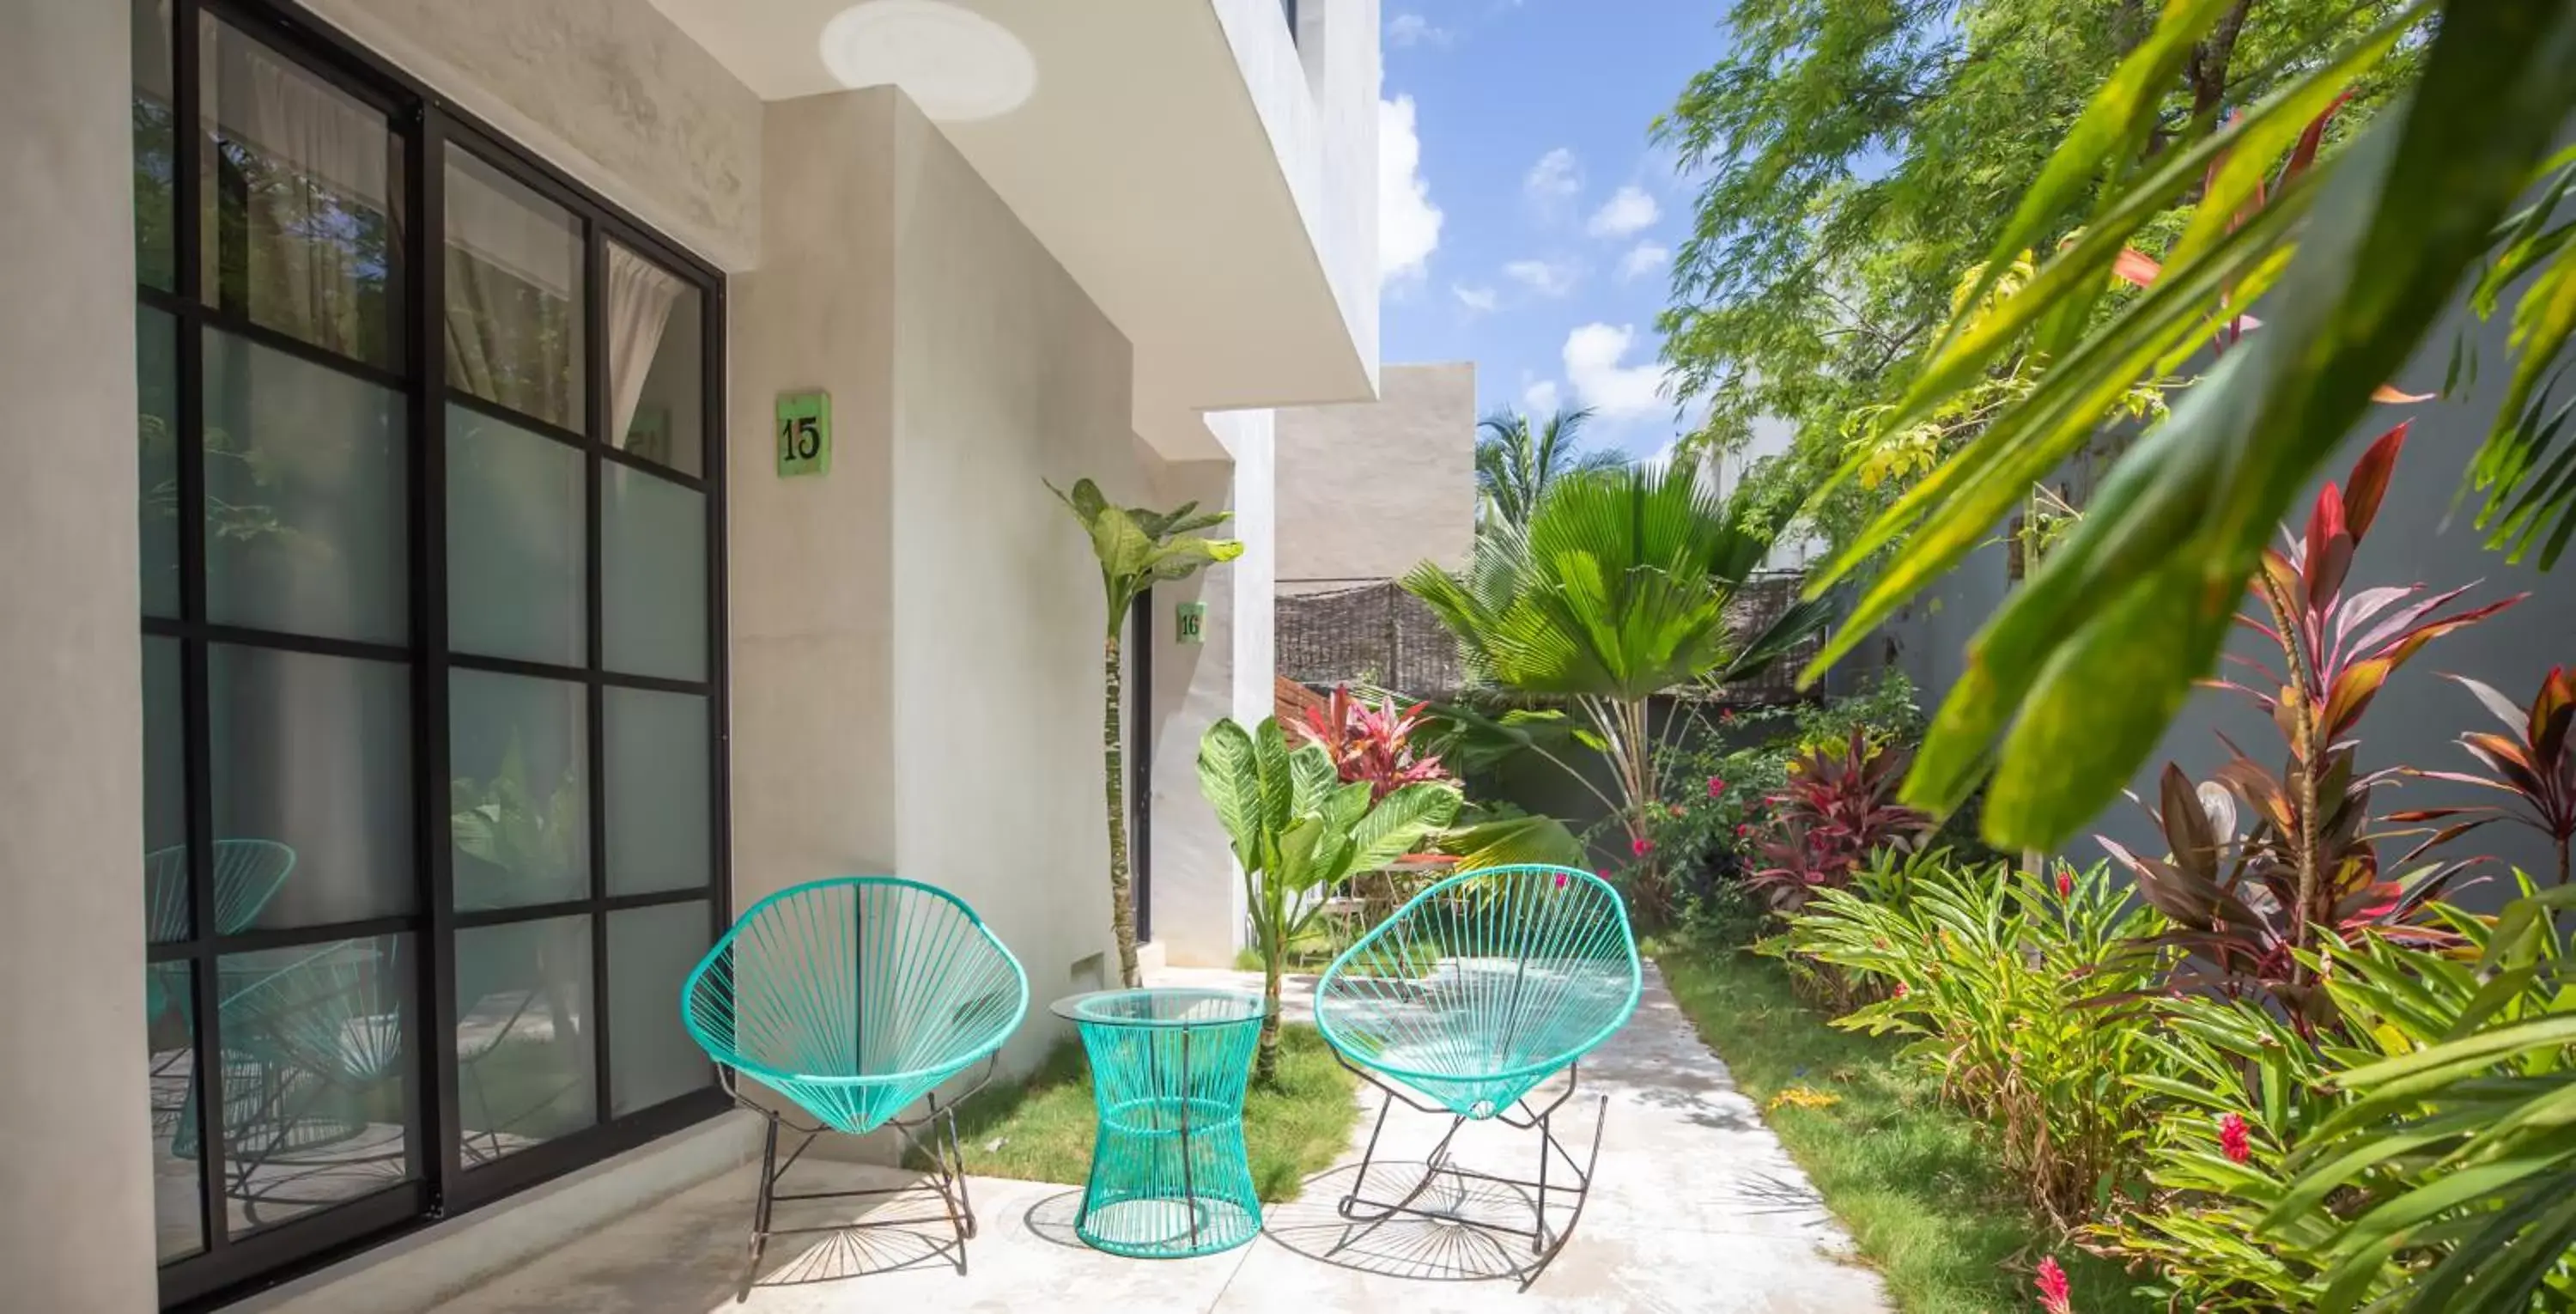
<point>640,297</point>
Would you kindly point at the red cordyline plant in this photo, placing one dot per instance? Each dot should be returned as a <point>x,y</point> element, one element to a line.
<point>2244,909</point>
<point>2534,762</point>
<point>1372,744</point>
<point>1840,807</point>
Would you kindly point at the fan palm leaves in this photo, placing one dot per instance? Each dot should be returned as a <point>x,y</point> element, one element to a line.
<point>1615,590</point>
<point>1515,462</point>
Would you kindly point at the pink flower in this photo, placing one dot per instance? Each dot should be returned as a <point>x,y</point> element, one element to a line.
<point>2055,1295</point>
<point>1605,876</point>
<point>1716,786</point>
<point>2235,1140</point>
<point>1901,990</point>
<point>1560,880</point>
<point>2065,882</point>
<point>1726,714</point>
<point>1742,829</point>
<point>1641,846</point>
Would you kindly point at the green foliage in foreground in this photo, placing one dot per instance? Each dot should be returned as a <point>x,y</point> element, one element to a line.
<point>1039,1130</point>
<point>1929,1205</point>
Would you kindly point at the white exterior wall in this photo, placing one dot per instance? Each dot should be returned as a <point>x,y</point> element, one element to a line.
<point>75,1172</point>
<point>1369,490</point>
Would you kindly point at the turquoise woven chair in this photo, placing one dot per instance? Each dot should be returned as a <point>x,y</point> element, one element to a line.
<point>854,998</point>
<point>1463,1003</point>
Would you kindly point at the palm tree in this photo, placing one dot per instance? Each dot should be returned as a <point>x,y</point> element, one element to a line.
<point>1136,547</point>
<point>1515,464</point>
<point>1615,590</point>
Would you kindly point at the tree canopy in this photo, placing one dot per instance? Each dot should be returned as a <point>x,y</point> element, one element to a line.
<point>1857,155</point>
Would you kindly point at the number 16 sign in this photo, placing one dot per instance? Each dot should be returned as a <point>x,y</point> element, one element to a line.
<point>804,433</point>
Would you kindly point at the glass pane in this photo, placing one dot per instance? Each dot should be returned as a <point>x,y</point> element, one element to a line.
<point>650,1057</point>
<point>178,1228</point>
<point>313,754</point>
<point>305,490</point>
<point>315,1075</point>
<point>514,294</point>
<point>516,543</point>
<point>524,1073</point>
<point>653,575</point>
<point>519,749</point>
<point>156,377</point>
<point>165,796</point>
<point>300,201</point>
<point>156,137</point>
<point>658,791</point>
<point>655,334</point>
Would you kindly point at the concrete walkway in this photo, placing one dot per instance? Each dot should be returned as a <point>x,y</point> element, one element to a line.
<point>1695,1207</point>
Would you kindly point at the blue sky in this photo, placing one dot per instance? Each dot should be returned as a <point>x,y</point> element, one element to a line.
<point>1525,222</point>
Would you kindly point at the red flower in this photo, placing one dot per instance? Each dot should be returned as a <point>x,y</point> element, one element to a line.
<point>1716,786</point>
<point>2234,1139</point>
<point>2055,1295</point>
<point>1901,991</point>
<point>1560,880</point>
<point>1742,829</point>
<point>1641,846</point>
<point>2065,882</point>
<point>1726,714</point>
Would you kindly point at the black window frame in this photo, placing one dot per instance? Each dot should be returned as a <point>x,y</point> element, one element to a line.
<point>439,1183</point>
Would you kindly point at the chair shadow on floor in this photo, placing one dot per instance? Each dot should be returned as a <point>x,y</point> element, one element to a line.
<point>895,1234</point>
<point>1464,1244</point>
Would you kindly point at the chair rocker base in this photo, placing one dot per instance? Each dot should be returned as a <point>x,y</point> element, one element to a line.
<point>1544,1242</point>
<point>945,1183</point>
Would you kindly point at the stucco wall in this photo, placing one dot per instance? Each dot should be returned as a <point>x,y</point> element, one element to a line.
<point>1369,489</point>
<point>609,90</point>
<point>75,1173</point>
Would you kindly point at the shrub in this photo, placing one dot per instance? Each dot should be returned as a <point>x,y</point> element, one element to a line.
<point>2007,983</point>
<point>1837,811</point>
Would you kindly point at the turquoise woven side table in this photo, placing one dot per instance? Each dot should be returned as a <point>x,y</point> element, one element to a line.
<point>1169,1177</point>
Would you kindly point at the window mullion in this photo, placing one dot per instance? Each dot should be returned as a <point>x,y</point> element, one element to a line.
<point>596,421</point>
<point>427,353</point>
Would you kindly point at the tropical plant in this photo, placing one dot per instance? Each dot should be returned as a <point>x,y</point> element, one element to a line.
<point>1615,591</point>
<point>1136,548</point>
<point>1517,462</point>
<point>1999,977</point>
<point>1298,830</point>
<point>1837,812</point>
<point>2534,762</point>
<point>2351,263</point>
<point>1372,744</point>
<point>505,822</point>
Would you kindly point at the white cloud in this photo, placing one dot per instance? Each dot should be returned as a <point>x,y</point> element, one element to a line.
<point>1555,178</point>
<point>1541,398</point>
<point>1628,212</point>
<point>1547,278</point>
<point>1592,356</point>
<point>1408,224</point>
<point>1413,30</point>
<point>1478,300</point>
<point>1642,259</point>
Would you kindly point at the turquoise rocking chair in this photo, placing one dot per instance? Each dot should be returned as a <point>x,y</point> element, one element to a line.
<point>853,998</point>
<point>1464,1002</point>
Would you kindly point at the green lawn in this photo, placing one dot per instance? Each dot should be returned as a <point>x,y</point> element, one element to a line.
<point>1044,1124</point>
<point>1904,1173</point>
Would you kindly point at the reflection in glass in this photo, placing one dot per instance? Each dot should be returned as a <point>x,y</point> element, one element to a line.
<point>523,1034</point>
<point>156,136</point>
<point>178,1228</point>
<point>300,188</point>
<point>655,337</point>
<point>652,575</point>
<point>305,523</point>
<point>156,378</point>
<point>165,796</point>
<point>650,1057</point>
<point>314,1076</point>
<point>314,753</point>
<point>514,294</point>
<point>520,820</point>
<point>516,543</point>
<point>658,791</point>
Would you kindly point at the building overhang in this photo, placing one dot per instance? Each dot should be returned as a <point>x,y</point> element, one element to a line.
<point>1169,153</point>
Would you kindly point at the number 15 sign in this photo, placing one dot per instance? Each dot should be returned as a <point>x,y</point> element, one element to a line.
<point>804,433</point>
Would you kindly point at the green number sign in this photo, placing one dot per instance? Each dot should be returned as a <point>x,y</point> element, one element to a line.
<point>1189,622</point>
<point>804,433</point>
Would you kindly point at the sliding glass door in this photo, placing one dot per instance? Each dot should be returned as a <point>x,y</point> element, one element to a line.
<point>430,527</point>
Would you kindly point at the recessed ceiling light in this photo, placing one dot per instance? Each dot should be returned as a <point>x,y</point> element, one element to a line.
<point>958,65</point>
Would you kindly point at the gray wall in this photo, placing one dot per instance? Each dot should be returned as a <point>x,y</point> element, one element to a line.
<point>2416,539</point>
<point>1369,489</point>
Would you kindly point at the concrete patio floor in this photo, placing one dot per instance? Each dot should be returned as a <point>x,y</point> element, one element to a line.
<point>1695,1207</point>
